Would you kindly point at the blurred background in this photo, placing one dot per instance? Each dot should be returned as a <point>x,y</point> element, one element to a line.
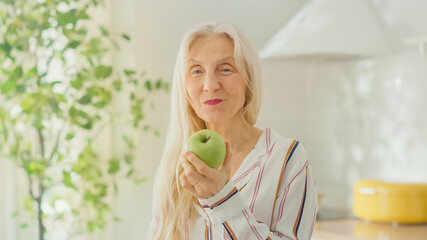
<point>346,78</point>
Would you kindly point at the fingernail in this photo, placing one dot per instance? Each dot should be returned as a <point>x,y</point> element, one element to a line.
<point>187,153</point>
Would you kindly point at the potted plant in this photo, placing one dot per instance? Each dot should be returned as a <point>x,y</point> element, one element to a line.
<point>56,91</point>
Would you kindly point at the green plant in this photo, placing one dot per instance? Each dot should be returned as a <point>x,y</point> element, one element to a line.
<point>56,94</point>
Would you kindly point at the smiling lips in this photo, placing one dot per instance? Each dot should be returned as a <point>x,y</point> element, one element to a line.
<point>213,101</point>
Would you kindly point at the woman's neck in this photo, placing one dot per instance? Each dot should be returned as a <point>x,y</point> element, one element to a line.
<point>237,133</point>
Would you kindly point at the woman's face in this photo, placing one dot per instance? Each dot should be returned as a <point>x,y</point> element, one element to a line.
<point>215,87</point>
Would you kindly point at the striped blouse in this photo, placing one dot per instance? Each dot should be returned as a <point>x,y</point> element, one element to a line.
<point>272,195</point>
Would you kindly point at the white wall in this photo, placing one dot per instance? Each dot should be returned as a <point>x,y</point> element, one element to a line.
<point>156,28</point>
<point>356,119</point>
<point>343,113</point>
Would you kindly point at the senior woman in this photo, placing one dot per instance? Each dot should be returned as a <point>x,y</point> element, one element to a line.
<point>265,187</point>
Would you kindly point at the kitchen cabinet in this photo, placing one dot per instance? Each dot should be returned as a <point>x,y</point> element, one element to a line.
<point>355,229</point>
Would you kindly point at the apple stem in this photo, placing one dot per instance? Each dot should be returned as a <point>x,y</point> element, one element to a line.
<point>207,139</point>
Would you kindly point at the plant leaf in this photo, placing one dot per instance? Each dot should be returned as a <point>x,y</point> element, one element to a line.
<point>128,158</point>
<point>114,166</point>
<point>125,36</point>
<point>117,85</point>
<point>102,71</point>
<point>15,214</point>
<point>8,86</point>
<point>78,82</point>
<point>86,99</point>
<point>104,31</point>
<point>148,85</point>
<point>16,74</point>
<point>130,172</point>
<point>67,180</point>
<point>67,17</point>
<point>129,72</point>
<point>69,136</point>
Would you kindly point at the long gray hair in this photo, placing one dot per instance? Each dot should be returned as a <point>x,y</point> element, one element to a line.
<point>173,207</point>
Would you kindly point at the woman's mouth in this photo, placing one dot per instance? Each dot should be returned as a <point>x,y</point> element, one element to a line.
<point>213,101</point>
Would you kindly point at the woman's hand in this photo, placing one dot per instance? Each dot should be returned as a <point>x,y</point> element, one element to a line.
<point>200,179</point>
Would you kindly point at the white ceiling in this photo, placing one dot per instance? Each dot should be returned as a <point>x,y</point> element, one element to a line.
<point>157,26</point>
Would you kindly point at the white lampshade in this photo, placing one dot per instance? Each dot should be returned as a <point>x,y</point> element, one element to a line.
<point>337,28</point>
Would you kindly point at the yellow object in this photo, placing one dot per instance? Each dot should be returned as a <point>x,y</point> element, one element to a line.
<point>390,202</point>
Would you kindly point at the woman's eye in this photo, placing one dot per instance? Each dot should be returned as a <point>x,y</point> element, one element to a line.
<point>196,72</point>
<point>226,70</point>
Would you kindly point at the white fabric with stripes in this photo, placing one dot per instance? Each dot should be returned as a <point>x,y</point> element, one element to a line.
<point>272,195</point>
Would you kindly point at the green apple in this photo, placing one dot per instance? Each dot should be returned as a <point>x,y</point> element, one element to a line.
<point>208,146</point>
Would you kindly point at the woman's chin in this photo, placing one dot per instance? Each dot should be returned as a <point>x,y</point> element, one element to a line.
<point>214,118</point>
<point>218,119</point>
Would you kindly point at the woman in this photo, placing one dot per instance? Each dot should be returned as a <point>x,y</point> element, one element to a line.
<point>265,188</point>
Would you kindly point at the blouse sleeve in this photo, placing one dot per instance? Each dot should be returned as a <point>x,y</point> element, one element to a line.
<point>294,208</point>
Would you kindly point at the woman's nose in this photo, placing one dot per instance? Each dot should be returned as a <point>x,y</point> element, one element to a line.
<point>211,83</point>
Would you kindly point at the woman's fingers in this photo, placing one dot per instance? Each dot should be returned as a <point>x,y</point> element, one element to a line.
<point>195,188</point>
<point>185,184</point>
<point>188,166</point>
<point>202,167</point>
<point>191,172</point>
<point>198,164</point>
<point>200,179</point>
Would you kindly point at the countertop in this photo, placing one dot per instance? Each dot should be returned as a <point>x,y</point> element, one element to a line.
<point>355,229</point>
